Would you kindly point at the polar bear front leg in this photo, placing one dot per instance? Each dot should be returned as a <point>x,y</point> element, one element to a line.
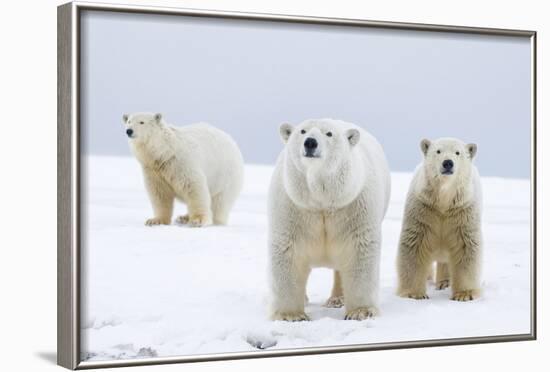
<point>288,284</point>
<point>465,268</point>
<point>414,262</point>
<point>360,278</point>
<point>197,198</point>
<point>161,197</point>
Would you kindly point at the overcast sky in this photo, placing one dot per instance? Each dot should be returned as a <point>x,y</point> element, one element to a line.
<point>247,77</point>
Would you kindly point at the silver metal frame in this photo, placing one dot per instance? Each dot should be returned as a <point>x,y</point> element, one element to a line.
<point>68,180</point>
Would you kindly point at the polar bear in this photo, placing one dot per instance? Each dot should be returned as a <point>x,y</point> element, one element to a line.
<point>328,196</point>
<point>197,164</point>
<point>442,223</point>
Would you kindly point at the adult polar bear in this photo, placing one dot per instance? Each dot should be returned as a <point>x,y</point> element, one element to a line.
<point>197,164</point>
<point>442,223</point>
<point>328,196</point>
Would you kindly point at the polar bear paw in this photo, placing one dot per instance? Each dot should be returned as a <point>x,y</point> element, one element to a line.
<point>335,302</point>
<point>183,219</point>
<point>157,221</point>
<point>361,313</point>
<point>442,284</point>
<point>290,316</point>
<point>198,220</point>
<point>466,295</point>
<point>414,295</point>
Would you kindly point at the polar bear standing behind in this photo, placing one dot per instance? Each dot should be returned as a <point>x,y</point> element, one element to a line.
<point>197,164</point>
<point>328,196</point>
<point>442,223</point>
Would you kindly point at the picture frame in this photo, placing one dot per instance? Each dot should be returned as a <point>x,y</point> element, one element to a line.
<point>70,180</point>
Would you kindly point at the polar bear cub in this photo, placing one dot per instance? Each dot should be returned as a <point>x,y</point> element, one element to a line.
<point>328,196</point>
<point>197,164</point>
<point>442,223</point>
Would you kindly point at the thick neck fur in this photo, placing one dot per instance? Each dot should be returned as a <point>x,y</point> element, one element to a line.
<point>322,186</point>
<point>155,151</point>
<point>445,193</point>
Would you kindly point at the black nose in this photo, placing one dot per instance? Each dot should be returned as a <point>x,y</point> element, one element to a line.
<point>129,132</point>
<point>310,144</point>
<point>448,164</point>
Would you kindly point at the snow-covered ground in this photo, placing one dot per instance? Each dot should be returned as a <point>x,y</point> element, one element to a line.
<point>174,290</point>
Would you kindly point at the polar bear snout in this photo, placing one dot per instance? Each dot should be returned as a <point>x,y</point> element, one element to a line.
<point>129,132</point>
<point>310,148</point>
<point>447,166</point>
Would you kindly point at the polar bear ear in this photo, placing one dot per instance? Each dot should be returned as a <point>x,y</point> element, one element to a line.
<point>472,149</point>
<point>285,131</point>
<point>125,118</point>
<point>425,145</point>
<point>353,136</point>
<point>158,118</point>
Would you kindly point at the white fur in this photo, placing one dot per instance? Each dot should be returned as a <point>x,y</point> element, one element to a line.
<point>442,223</point>
<point>327,211</point>
<point>198,164</point>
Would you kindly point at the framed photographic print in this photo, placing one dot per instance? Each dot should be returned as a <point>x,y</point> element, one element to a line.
<point>239,185</point>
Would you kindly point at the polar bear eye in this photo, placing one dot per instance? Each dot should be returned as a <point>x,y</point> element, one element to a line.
<point>141,122</point>
<point>303,131</point>
<point>458,153</point>
<point>329,134</point>
<point>439,151</point>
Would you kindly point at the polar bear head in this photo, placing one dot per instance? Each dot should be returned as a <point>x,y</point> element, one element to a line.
<point>321,163</point>
<point>319,143</point>
<point>142,125</point>
<point>447,158</point>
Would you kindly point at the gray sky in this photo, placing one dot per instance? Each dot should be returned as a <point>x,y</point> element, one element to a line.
<point>247,77</point>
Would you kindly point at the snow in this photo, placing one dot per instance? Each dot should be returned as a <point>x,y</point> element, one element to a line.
<point>175,290</point>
